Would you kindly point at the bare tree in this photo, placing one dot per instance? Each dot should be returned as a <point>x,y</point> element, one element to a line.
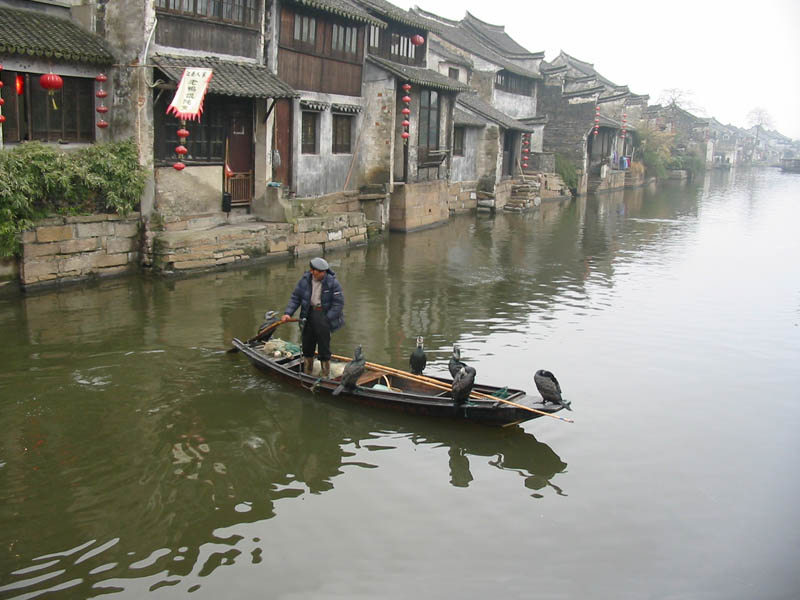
<point>759,117</point>
<point>681,98</point>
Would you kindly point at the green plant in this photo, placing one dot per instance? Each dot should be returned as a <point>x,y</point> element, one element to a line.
<point>656,151</point>
<point>37,179</point>
<point>567,171</point>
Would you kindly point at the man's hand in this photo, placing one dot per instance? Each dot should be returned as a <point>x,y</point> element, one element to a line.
<point>285,318</point>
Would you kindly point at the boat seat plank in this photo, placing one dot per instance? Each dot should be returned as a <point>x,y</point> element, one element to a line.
<point>368,377</point>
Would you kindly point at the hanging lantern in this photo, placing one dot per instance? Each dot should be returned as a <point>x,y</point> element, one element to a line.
<point>405,123</point>
<point>51,82</point>
<point>2,102</point>
<point>102,109</point>
<point>524,165</point>
<point>101,93</point>
<point>406,111</point>
<point>179,166</point>
<point>406,87</point>
<point>417,40</point>
<point>405,135</point>
<point>181,150</point>
<point>406,99</point>
<point>102,123</point>
<point>101,78</point>
<point>2,118</point>
<point>183,133</point>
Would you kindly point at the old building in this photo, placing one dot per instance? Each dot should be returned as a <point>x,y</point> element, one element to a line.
<point>589,121</point>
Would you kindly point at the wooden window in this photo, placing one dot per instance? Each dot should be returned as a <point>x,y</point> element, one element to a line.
<point>206,141</point>
<point>342,134</point>
<point>241,12</point>
<point>429,119</point>
<point>344,39</point>
<point>453,73</point>
<point>32,114</point>
<point>305,29</point>
<point>403,48</point>
<point>309,137</point>
<point>513,84</point>
<point>458,140</point>
<point>374,36</point>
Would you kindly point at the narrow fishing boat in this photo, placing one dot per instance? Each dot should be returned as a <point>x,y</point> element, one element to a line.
<point>380,385</point>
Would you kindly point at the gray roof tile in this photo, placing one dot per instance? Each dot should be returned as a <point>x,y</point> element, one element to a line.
<point>230,78</point>
<point>25,32</point>
<point>419,75</point>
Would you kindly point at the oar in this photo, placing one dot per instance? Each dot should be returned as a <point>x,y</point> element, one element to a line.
<point>264,333</point>
<point>443,386</point>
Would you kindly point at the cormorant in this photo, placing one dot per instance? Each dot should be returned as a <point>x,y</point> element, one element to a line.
<point>549,388</point>
<point>352,371</point>
<point>418,359</point>
<point>462,384</point>
<point>455,363</point>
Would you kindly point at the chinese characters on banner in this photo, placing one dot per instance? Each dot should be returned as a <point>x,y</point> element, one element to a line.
<point>188,100</point>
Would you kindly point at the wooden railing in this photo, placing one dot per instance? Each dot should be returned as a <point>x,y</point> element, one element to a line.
<point>240,187</point>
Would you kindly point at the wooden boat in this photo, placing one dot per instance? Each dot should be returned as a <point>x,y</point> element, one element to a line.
<point>384,386</point>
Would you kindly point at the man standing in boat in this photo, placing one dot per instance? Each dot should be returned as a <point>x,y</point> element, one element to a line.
<point>321,301</point>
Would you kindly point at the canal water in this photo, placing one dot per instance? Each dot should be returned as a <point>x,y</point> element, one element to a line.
<point>139,459</point>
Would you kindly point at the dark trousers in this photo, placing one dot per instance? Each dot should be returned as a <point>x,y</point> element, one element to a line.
<point>317,334</point>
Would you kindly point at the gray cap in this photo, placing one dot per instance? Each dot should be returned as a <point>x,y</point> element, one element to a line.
<point>320,264</point>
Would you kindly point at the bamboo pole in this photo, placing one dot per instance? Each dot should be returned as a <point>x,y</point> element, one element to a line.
<point>443,386</point>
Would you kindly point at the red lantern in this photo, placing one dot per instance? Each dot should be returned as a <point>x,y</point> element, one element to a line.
<point>181,150</point>
<point>525,165</point>
<point>183,133</point>
<point>102,109</point>
<point>417,40</point>
<point>405,123</point>
<point>406,111</point>
<point>179,166</point>
<point>2,118</point>
<point>51,82</point>
<point>101,78</point>
<point>101,93</point>
<point>2,102</point>
<point>406,86</point>
<point>406,99</point>
<point>102,123</point>
<point>404,135</point>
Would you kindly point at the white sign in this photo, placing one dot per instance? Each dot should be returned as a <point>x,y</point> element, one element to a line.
<point>188,100</point>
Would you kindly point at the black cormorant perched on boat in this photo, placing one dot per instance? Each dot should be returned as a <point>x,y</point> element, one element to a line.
<point>418,359</point>
<point>352,371</point>
<point>462,384</point>
<point>455,363</point>
<point>549,388</point>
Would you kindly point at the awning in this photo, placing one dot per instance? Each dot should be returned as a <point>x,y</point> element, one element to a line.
<point>230,78</point>
<point>419,75</point>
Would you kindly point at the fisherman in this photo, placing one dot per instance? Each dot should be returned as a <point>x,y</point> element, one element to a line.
<point>321,301</point>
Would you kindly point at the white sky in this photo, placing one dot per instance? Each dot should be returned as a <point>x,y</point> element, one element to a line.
<point>729,56</point>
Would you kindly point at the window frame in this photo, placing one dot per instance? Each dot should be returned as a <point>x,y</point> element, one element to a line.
<point>459,140</point>
<point>206,141</point>
<point>309,127</point>
<point>65,116</point>
<point>426,123</point>
<point>338,129</point>
<point>238,12</point>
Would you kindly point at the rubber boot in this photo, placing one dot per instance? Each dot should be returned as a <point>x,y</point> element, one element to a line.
<point>325,365</point>
<point>308,365</point>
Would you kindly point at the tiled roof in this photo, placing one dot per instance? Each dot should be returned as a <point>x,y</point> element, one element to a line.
<point>419,76</point>
<point>461,117</point>
<point>461,36</point>
<point>390,11</point>
<point>230,78</point>
<point>496,37</point>
<point>343,8</point>
<point>476,105</point>
<point>25,32</point>
<point>436,47</point>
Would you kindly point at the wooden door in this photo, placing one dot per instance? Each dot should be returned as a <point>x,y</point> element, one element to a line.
<point>239,154</point>
<point>282,143</point>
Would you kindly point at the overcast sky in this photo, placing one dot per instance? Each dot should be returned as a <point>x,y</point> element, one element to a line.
<point>730,57</point>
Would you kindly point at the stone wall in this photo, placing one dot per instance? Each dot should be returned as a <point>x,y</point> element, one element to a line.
<point>419,205</point>
<point>61,249</point>
<point>205,242</point>
<point>462,196</point>
<point>568,123</point>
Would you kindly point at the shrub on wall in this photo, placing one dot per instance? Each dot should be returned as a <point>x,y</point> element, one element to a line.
<point>37,180</point>
<point>567,171</point>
